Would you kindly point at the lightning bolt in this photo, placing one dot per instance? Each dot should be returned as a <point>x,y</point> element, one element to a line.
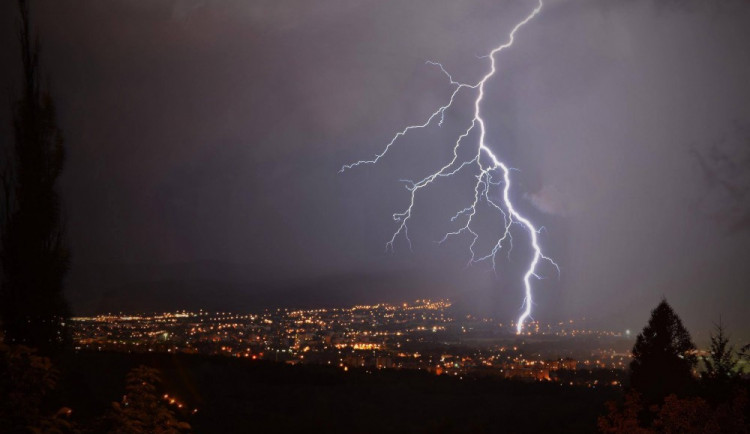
<point>491,171</point>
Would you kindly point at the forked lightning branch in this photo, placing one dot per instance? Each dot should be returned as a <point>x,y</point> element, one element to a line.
<point>491,174</point>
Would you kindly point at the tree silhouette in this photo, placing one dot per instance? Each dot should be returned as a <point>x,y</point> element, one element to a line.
<point>141,409</point>
<point>677,415</point>
<point>625,420</point>
<point>26,381</point>
<point>721,363</point>
<point>662,356</point>
<point>34,255</point>
<point>722,376</point>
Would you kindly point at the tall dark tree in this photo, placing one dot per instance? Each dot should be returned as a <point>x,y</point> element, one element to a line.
<point>663,358</point>
<point>722,361</point>
<point>721,378</point>
<point>34,254</point>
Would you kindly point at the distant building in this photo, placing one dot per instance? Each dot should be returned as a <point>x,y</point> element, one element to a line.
<point>566,363</point>
<point>527,373</point>
<point>383,362</point>
<point>354,361</point>
<point>569,364</point>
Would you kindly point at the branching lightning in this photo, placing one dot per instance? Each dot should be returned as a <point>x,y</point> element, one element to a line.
<point>491,171</point>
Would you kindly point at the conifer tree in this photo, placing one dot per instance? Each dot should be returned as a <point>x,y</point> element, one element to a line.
<point>721,363</point>
<point>663,358</point>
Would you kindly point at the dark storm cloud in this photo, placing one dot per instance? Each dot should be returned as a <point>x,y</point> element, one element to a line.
<point>215,129</point>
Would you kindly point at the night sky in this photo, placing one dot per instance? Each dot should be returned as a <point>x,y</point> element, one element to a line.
<point>214,131</point>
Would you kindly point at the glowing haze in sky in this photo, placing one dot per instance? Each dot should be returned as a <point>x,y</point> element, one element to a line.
<point>207,133</point>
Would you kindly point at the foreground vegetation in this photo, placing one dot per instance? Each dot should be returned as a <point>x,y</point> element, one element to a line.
<point>234,395</point>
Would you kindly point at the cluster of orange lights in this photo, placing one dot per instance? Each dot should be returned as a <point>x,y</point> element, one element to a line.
<point>171,400</point>
<point>360,346</point>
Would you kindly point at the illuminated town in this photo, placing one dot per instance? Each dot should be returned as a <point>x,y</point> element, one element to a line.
<point>421,335</point>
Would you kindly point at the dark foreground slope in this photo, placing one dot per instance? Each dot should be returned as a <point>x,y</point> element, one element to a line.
<point>235,395</point>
